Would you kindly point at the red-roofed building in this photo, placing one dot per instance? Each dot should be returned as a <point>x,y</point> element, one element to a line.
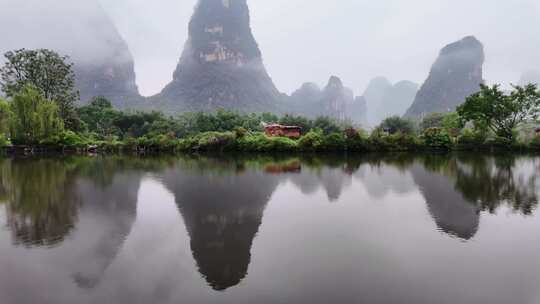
<point>276,130</point>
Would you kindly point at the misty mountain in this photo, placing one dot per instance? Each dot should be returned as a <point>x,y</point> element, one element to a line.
<point>82,30</point>
<point>335,100</point>
<point>358,111</point>
<point>387,100</point>
<point>374,94</point>
<point>456,74</point>
<point>221,65</point>
<point>306,100</point>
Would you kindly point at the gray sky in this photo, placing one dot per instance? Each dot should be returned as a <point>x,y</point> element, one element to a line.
<point>309,40</point>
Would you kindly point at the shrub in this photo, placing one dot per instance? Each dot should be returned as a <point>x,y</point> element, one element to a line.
<point>379,141</point>
<point>240,132</point>
<point>312,141</point>
<point>498,142</point>
<point>437,138</point>
<point>259,142</point>
<point>397,124</point>
<point>4,141</point>
<point>213,141</point>
<point>535,143</point>
<point>469,139</point>
<point>71,139</point>
<point>282,144</point>
<point>402,142</point>
<point>333,142</point>
<point>355,140</point>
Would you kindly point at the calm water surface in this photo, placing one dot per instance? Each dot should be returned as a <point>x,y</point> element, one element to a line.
<point>460,229</point>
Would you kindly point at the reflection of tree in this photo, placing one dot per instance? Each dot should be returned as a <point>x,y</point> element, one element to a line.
<point>48,198</point>
<point>41,205</point>
<point>222,213</point>
<point>457,188</point>
<point>493,181</point>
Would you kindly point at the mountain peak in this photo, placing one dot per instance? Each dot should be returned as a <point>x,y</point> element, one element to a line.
<point>456,74</point>
<point>221,66</point>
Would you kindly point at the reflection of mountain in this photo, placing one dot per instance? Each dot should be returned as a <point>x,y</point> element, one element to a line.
<point>222,213</point>
<point>450,210</point>
<point>380,180</point>
<point>332,180</point>
<point>49,199</point>
<point>113,210</point>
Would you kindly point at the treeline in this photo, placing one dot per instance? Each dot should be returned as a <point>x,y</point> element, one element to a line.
<point>40,111</point>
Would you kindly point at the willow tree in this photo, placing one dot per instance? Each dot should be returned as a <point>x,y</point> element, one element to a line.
<point>34,119</point>
<point>5,114</point>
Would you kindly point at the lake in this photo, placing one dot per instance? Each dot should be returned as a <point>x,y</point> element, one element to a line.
<point>396,228</point>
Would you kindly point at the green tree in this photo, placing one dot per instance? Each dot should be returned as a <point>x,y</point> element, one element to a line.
<point>5,114</point>
<point>34,119</point>
<point>100,116</point>
<point>47,72</point>
<point>327,125</point>
<point>491,109</point>
<point>397,124</point>
<point>433,120</point>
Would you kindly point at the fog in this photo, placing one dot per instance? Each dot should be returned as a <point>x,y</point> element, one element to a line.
<point>309,40</point>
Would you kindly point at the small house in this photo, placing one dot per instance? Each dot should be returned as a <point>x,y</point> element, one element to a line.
<point>276,130</point>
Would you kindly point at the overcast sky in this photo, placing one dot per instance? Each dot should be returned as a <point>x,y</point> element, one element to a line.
<point>309,40</point>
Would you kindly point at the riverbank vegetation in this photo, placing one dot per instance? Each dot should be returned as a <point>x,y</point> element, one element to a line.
<point>39,112</point>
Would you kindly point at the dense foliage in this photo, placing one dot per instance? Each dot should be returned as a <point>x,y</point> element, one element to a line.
<point>47,72</point>
<point>397,124</point>
<point>35,119</point>
<point>493,110</point>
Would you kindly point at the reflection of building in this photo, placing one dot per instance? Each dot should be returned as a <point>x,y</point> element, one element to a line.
<point>290,167</point>
<point>222,214</point>
<point>453,214</point>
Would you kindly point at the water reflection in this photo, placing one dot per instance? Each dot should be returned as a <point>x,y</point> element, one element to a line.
<point>222,203</point>
<point>451,211</point>
<point>82,210</point>
<point>41,207</point>
<point>92,202</point>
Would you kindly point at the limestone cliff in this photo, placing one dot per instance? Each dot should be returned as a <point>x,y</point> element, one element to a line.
<point>221,66</point>
<point>456,74</point>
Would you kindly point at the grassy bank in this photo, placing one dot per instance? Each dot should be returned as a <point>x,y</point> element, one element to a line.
<point>433,139</point>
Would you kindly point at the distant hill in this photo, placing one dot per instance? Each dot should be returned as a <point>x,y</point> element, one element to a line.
<point>81,30</point>
<point>456,74</point>
<point>335,100</point>
<point>385,100</point>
